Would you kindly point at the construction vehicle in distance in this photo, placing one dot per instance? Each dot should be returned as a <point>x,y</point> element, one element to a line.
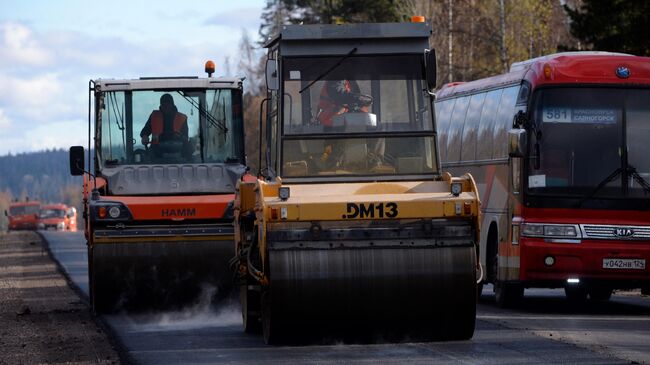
<point>351,224</point>
<point>168,153</point>
<point>59,217</point>
<point>23,215</point>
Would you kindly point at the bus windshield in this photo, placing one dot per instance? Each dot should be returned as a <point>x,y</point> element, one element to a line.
<point>592,142</point>
<point>356,115</point>
<point>169,127</point>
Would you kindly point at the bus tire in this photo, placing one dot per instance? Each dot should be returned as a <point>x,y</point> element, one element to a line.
<point>508,295</point>
<point>575,293</point>
<point>600,293</point>
<point>492,255</point>
<point>645,290</point>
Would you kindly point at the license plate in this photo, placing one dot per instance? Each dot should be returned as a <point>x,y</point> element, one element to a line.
<point>626,264</point>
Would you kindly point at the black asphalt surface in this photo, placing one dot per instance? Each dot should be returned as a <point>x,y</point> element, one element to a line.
<point>545,330</point>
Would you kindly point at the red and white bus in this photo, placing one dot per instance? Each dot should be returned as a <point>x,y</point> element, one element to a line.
<point>560,149</point>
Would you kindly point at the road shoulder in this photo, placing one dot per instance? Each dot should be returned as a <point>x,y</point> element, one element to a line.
<point>42,320</point>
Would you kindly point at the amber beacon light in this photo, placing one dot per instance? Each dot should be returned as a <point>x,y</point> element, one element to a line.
<point>418,19</point>
<point>548,71</point>
<point>209,68</point>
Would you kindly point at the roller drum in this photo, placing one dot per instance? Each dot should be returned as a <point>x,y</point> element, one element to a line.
<point>157,275</point>
<point>429,290</point>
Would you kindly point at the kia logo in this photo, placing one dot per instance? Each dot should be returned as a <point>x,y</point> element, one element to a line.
<point>623,232</point>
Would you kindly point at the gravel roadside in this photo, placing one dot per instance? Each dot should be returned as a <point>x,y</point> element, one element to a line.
<point>42,320</point>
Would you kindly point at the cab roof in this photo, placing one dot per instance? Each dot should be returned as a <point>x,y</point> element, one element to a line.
<point>368,38</point>
<point>166,83</point>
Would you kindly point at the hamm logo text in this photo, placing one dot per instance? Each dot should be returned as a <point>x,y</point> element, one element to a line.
<point>179,212</point>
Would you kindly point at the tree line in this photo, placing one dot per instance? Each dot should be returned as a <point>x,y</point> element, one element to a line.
<point>42,176</point>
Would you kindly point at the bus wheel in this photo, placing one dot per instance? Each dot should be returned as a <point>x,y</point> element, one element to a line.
<point>508,294</point>
<point>645,290</point>
<point>600,293</point>
<point>575,293</point>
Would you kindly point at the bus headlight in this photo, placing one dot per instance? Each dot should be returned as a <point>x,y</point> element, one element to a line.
<point>560,231</point>
<point>532,230</point>
<point>550,230</point>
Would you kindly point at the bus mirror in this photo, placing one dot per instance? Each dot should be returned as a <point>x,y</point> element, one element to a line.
<point>6,214</point>
<point>271,74</point>
<point>517,142</point>
<point>77,160</point>
<point>519,119</point>
<point>430,66</point>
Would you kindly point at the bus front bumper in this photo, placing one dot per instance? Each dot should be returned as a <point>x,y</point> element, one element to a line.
<point>623,264</point>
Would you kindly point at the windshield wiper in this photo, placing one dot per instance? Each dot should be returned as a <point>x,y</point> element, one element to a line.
<point>630,171</point>
<point>211,119</point>
<point>327,72</point>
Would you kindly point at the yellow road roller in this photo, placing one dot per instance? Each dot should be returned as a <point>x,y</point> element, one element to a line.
<point>351,224</point>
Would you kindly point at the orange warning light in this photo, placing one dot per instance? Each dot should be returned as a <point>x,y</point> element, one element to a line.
<point>548,71</point>
<point>209,68</point>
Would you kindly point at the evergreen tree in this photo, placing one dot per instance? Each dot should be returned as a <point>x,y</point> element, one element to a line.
<point>274,15</point>
<point>279,12</point>
<point>369,11</point>
<point>616,25</point>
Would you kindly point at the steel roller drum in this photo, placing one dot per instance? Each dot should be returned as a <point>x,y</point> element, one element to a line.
<point>425,289</point>
<point>158,275</point>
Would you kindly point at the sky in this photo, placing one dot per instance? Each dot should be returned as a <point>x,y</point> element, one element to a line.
<point>49,50</point>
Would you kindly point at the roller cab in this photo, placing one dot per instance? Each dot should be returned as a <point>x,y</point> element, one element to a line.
<point>158,204</point>
<point>351,224</point>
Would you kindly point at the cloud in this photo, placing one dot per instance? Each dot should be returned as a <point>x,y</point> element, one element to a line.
<point>44,73</point>
<point>54,135</point>
<point>28,92</point>
<point>19,45</point>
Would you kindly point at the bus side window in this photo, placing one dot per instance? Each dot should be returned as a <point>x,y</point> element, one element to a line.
<point>504,121</point>
<point>468,152</point>
<point>484,142</point>
<point>456,129</point>
<point>443,115</point>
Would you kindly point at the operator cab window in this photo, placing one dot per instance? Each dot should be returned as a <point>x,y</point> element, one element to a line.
<point>348,116</point>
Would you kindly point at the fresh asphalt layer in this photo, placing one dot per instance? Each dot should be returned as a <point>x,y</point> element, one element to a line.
<point>546,329</point>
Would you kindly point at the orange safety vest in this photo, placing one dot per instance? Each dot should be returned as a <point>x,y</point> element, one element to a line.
<point>158,124</point>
